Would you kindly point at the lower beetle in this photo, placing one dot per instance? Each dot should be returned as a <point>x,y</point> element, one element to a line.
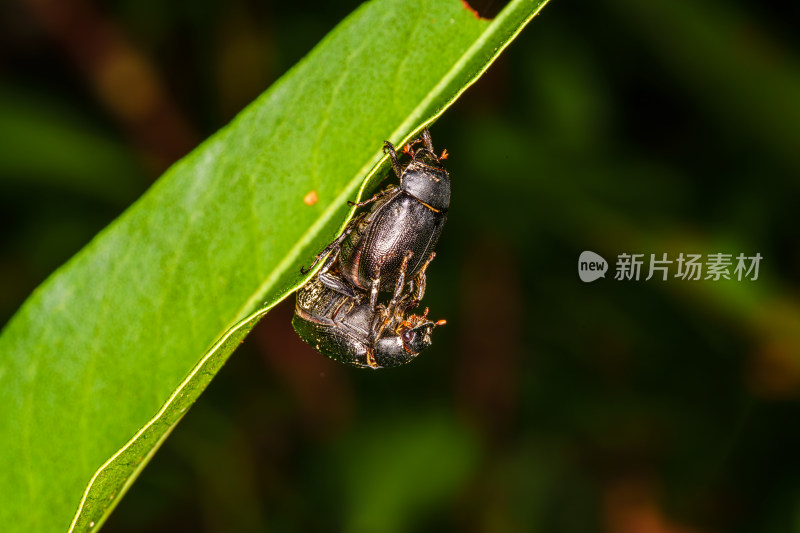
<point>408,218</point>
<point>348,330</point>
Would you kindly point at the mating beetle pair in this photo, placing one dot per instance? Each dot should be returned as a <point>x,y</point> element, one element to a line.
<point>377,252</point>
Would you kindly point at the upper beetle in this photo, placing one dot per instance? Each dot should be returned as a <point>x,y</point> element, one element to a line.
<point>407,218</point>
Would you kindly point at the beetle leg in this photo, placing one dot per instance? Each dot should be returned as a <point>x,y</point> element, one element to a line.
<point>334,247</point>
<point>339,313</point>
<point>373,293</point>
<point>335,282</point>
<point>385,316</point>
<point>387,146</point>
<point>375,283</point>
<point>418,284</point>
<point>371,357</point>
<point>378,196</point>
<point>401,281</point>
<point>426,138</point>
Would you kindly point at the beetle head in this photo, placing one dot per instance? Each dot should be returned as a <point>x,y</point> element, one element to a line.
<point>416,332</point>
<point>411,338</point>
<point>418,338</point>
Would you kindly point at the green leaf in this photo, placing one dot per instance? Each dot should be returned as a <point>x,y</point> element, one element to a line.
<point>106,356</point>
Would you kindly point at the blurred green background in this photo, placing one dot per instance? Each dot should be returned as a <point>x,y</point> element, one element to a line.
<point>545,404</point>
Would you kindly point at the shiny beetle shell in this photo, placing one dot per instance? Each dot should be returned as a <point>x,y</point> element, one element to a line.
<point>407,218</point>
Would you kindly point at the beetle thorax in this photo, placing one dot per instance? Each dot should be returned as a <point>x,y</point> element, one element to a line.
<point>428,184</point>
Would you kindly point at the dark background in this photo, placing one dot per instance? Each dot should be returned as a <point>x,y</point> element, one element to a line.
<point>545,404</point>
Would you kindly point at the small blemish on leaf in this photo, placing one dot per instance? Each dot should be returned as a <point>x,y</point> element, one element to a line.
<point>311,198</point>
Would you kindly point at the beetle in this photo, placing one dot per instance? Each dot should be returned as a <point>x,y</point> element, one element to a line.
<point>348,330</point>
<point>410,217</point>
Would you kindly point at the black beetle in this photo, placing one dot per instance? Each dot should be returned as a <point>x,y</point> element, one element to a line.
<point>350,331</point>
<point>405,218</point>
